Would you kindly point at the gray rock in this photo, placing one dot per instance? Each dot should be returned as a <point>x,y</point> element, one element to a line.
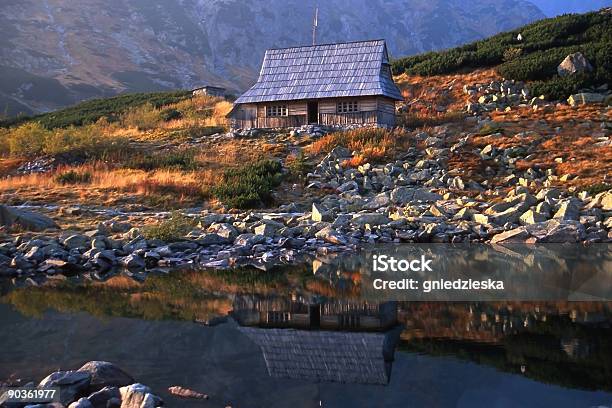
<point>105,374</point>
<point>585,98</point>
<point>574,63</point>
<point>360,220</point>
<point>100,399</point>
<point>11,217</point>
<point>555,231</point>
<point>319,213</point>
<point>138,396</point>
<point>402,195</point>
<point>512,236</point>
<point>132,261</point>
<point>330,235</point>
<point>212,239</point>
<point>568,211</point>
<point>531,217</point>
<point>72,384</point>
<point>76,241</point>
<point>248,240</point>
<point>81,403</point>
<point>224,230</point>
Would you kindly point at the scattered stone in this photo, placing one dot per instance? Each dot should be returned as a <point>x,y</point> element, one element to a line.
<point>12,217</point>
<point>186,393</point>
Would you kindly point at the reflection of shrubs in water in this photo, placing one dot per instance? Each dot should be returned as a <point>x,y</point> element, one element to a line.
<point>158,298</point>
<point>539,350</point>
<point>179,296</point>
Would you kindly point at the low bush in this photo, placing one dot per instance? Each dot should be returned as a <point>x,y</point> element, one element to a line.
<point>27,140</point>
<point>170,114</point>
<point>32,139</point>
<point>173,229</point>
<point>91,111</point>
<point>144,117</point>
<point>73,177</point>
<point>298,165</point>
<point>179,160</point>
<point>249,186</point>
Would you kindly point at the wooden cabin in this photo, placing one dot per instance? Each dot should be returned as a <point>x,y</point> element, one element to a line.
<point>328,84</point>
<point>209,90</point>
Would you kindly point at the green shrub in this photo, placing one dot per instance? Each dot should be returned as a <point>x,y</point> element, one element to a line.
<point>90,111</point>
<point>73,177</point>
<point>545,44</point>
<point>490,129</point>
<point>181,160</point>
<point>172,229</point>
<point>170,114</point>
<point>86,141</point>
<point>27,140</point>
<point>144,117</point>
<point>298,165</point>
<point>249,186</point>
<point>598,188</point>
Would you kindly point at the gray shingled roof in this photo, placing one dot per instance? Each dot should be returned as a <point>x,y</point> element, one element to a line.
<point>323,71</point>
<point>347,357</point>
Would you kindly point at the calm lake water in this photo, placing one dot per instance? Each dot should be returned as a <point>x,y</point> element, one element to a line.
<point>292,338</point>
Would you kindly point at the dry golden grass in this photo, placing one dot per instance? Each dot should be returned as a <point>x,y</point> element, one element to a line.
<point>109,184</point>
<point>370,143</point>
<point>425,94</point>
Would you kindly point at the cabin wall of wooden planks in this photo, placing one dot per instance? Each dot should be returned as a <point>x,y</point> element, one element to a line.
<point>371,110</point>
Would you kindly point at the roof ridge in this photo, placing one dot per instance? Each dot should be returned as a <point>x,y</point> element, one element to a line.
<point>325,44</point>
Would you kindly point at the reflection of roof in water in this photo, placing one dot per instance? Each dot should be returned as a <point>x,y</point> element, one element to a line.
<point>346,357</point>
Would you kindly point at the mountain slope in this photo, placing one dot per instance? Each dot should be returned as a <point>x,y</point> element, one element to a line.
<point>555,7</point>
<point>544,45</point>
<point>95,49</point>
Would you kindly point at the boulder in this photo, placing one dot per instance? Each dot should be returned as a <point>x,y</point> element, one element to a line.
<point>360,220</point>
<point>132,261</point>
<point>574,63</point>
<point>585,98</point>
<point>100,399</point>
<point>519,234</point>
<point>332,236</point>
<point>105,374</point>
<point>319,214</point>
<point>76,241</point>
<point>555,231</point>
<point>138,396</point>
<point>27,220</point>
<point>72,384</point>
<point>568,210</point>
<point>81,403</point>
<point>211,239</point>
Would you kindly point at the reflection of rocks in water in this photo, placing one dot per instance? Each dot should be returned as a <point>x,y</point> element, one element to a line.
<point>347,357</point>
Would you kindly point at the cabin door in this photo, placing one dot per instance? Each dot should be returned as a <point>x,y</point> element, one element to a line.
<point>313,112</point>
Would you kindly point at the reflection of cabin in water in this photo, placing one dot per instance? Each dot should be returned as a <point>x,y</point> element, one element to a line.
<point>340,340</point>
<point>348,357</point>
<point>333,315</point>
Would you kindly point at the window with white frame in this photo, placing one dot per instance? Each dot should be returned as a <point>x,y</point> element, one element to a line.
<point>276,110</point>
<point>347,107</point>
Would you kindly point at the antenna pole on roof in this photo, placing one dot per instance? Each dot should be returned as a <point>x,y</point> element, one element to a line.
<point>314,26</point>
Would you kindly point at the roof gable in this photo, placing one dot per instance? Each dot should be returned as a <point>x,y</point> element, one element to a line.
<point>323,71</point>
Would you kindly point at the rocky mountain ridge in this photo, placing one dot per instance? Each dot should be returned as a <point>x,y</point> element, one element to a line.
<point>56,53</point>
